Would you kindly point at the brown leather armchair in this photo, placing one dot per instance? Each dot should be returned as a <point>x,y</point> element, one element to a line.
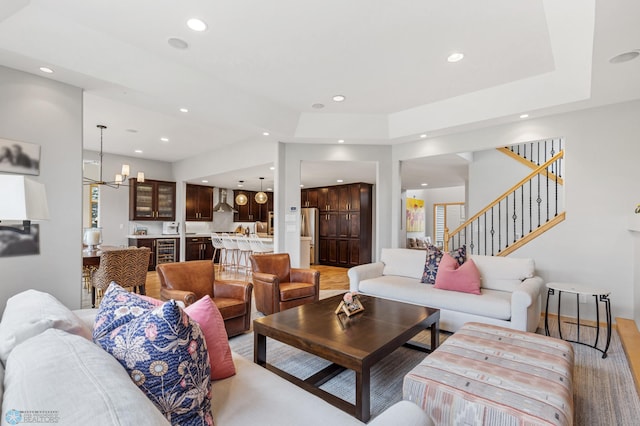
<point>190,281</point>
<point>279,287</point>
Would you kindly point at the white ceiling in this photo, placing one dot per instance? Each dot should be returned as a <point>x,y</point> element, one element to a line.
<point>261,65</point>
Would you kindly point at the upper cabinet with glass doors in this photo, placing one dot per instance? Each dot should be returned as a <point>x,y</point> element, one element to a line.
<point>152,200</point>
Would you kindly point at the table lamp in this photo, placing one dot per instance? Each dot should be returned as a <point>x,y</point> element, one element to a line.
<point>21,199</point>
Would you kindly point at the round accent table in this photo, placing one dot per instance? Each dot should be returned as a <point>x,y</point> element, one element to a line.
<point>599,295</point>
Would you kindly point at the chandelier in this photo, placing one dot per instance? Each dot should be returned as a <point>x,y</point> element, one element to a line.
<point>119,179</point>
<point>261,197</point>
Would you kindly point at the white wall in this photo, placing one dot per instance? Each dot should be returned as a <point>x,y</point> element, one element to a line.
<point>593,245</point>
<point>47,113</point>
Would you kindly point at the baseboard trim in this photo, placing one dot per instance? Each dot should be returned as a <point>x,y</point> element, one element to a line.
<point>630,339</point>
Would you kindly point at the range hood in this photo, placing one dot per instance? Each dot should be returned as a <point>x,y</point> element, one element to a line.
<point>222,205</point>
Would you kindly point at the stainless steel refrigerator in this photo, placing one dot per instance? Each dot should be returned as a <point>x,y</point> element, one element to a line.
<point>309,228</point>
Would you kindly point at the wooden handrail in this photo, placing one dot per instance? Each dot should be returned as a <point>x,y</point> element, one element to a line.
<point>530,176</point>
<point>530,164</point>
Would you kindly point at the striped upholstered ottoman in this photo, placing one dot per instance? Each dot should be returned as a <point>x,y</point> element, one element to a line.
<point>488,375</point>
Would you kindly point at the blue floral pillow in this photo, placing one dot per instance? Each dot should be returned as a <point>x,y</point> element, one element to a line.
<point>165,354</point>
<point>118,306</point>
<point>434,256</point>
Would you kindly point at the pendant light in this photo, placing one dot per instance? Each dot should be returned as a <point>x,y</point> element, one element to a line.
<point>241,198</point>
<point>261,197</point>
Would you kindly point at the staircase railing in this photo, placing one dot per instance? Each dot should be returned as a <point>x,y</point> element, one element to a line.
<point>524,211</point>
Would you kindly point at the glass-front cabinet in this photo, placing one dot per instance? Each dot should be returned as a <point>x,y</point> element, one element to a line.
<point>152,200</point>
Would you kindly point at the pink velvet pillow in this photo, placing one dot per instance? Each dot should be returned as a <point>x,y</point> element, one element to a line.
<point>452,276</point>
<point>209,318</point>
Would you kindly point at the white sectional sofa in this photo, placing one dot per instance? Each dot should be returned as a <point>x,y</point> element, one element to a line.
<point>52,372</point>
<point>511,293</point>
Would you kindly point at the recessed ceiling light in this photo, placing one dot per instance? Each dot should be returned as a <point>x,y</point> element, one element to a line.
<point>178,43</point>
<point>339,98</point>
<point>205,181</point>
<point>265,133</point>
<point>455,57</point>
<point>317,106</point>
<point>272,168</point>
<point>339,180</point>
<point>524,115</point>
<point>46,70</point>
<point>423,135</point>
<point>138,151</point>
<point>241,184</point>
<point>196,24</point>
<point>132,131</point>
<point>269,189</point>
<point>424,184</point>
<point>301,186</point>
<point>340,140</point>
<point>164,139</point>
<point>184,110</point>
<point>625,57</point>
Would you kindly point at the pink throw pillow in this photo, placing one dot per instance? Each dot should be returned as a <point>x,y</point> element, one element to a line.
<point>452,276</point>
<point>151,300</point>
<point>209,318</point>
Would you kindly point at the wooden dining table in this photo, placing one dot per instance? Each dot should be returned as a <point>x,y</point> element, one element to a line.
<point>91,258</point>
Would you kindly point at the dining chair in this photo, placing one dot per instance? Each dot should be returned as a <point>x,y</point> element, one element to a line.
<point>126,266</point>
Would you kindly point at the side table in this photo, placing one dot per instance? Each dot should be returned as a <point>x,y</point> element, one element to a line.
<point>599,295</point>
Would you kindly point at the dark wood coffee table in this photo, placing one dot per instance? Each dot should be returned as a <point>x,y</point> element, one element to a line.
<point>357,342</point>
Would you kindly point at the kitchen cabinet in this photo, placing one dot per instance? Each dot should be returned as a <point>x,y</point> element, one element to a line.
<point>199,203</point>
<point>152,200</point>
<point>198,248</point>
<point>345,224</point>
<point>162,249</point>
<point>252,211</point>
<point>309,197</point>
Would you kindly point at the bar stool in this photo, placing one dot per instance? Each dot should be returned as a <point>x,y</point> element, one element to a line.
<point>230,248</point>
<point>218,247</point>
<point>258,246</point>
<point>245,251</point>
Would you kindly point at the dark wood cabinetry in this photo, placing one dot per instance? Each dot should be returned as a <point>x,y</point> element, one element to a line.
<point>198,248</point>
<point>167,251</point>
<point>345,224</point>
<point>309,197</point>
<point>252,211</point>
<point>152,200</point>
<point>199,203</point>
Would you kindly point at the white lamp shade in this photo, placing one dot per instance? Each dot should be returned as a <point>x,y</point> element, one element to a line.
<point>140,177</point>
<point>125,170</point>
<point>22,199</point>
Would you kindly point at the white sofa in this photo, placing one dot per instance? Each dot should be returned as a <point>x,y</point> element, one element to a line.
<point>510,290</point>
<point>52,372</point>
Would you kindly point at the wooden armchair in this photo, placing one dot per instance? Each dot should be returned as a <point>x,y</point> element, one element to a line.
<point>190,281</point>
<point>279,287</point>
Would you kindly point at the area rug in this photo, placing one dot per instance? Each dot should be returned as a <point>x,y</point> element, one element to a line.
<point>604,392</point>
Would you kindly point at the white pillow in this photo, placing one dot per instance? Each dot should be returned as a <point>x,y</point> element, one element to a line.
<point>31,312</point>
<point>503,273</point>
<point>76,382</point>
<point>403,262</point>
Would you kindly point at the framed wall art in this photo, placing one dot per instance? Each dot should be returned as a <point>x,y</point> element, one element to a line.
<point>19,157</point>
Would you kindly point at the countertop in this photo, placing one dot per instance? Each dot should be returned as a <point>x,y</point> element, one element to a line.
<point>139,237</point>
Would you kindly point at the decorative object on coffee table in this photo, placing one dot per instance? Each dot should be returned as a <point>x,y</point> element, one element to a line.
<point>350,304</point>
